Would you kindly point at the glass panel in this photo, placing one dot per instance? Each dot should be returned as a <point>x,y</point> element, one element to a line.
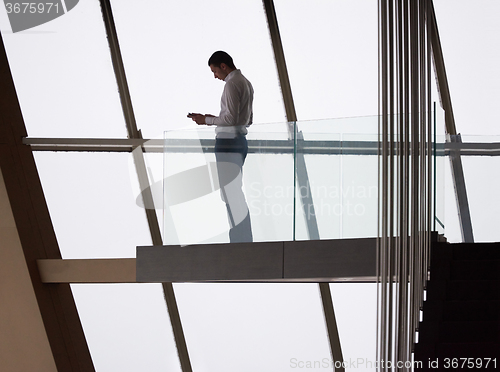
<point>166,52</point>
<point>194,211</point>
<point>253,327</point>
<point>342,172</point>
<point>334,195</point>
<point>94,210</point>
<point>452,224</point>
<point>335,192</point>
<point>268,182</point>
<point>482,177</point>
<point>318,179</point>
<point>64,77</point>
<point>440,161</point>
<point>127,327</point>
<point>439,197</point>
<point>480,162</point>
<point>359,189</point>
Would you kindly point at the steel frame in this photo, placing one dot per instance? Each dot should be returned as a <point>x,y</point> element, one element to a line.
<point>451,130</point>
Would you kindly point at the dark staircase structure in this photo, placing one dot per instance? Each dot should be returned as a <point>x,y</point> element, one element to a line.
<point>461,313</point>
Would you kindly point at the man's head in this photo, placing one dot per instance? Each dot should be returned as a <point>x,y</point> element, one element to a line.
<point>221,64</point>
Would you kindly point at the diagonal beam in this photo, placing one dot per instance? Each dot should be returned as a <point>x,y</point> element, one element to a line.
<point>118,67</point>
<point>279,57</point>
<point>440,70</point>
<point>331,322</point>
<point>128,113</point>
<point>300,168</point>
<point>451,130</point>
<point>457,173</point>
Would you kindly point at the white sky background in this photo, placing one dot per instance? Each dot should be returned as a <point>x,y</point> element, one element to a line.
<point>66,87</point>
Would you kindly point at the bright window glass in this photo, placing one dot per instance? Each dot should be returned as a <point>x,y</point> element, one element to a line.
<point>64,77</point>
<point>332,56</point>
<point>93,204</point>
<point>252,327</point>
<point>127,327</point>
<point>355,305</point>
<point>472,57</point>
<point>166,46</point>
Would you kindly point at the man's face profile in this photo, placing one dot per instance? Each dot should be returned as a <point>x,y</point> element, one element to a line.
<point>220,72</point>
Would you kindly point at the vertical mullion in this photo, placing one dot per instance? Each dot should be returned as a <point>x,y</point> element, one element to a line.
<point>405,171</point>
<point>422,166</point>
<point>383,128</point>
<point>406,183</point>
<point>400,170</point>
<point>390,243</point>
<point>414,55</point>
<point>430,163</point>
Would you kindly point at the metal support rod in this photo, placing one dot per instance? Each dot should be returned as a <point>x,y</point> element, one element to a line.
<point>140,165</point>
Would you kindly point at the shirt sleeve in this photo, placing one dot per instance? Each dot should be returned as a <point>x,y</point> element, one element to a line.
<point>230,103</point>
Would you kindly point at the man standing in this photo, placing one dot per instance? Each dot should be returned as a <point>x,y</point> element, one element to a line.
<point>230,142</point>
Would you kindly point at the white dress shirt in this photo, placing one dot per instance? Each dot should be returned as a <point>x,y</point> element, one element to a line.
<point>236,107</point>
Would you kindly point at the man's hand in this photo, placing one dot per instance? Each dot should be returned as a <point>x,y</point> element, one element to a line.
<point>199,118</point>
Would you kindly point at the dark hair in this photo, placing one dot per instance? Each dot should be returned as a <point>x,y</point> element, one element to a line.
<point>221,57</point>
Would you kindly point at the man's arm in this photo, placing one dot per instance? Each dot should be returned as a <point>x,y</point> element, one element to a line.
<point>230,104</point>
<point>200,119</point>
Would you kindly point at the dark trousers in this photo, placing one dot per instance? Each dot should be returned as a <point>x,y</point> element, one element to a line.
<point>230,154</point>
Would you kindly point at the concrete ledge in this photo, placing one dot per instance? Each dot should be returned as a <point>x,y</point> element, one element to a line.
<point>342,260</point>
<point>214,262</point>
<point>120,270</point>
<point>335,259</point>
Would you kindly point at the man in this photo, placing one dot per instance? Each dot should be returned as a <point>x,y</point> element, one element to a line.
<point>230,142</point>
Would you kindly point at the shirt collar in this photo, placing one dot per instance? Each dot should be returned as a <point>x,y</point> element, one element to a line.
<point>232,74</point>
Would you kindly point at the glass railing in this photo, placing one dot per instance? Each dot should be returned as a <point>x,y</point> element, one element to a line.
<point>480,158</point>
<point>194,211</point>
<point>439,163</point>
<point>301,181</point>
